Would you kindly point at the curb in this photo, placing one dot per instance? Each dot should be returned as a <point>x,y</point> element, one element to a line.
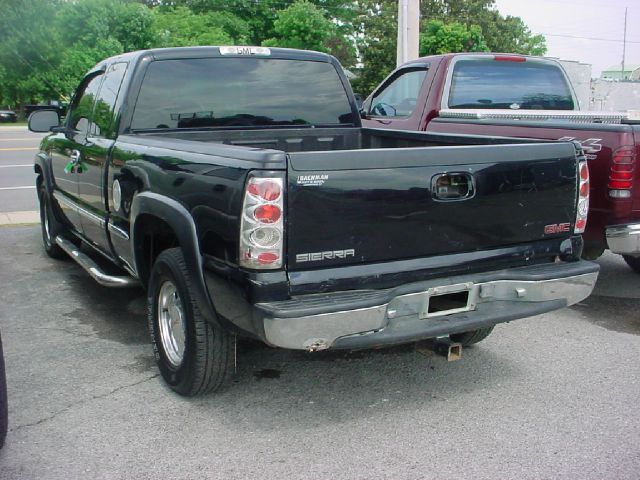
<point>31,217</point>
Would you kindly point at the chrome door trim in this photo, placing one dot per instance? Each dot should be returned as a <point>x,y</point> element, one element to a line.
<point>60,197</point>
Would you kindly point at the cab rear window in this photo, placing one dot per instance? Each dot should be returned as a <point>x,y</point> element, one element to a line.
<point>495,84</point>
<point>240,92</point>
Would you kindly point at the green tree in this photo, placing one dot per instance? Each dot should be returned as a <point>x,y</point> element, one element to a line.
<point>27,53</point>
<point>181,27</point>
<point>439,37</point>
<point>376,42</point>
<point>302,25</point>
<point>501,34</point>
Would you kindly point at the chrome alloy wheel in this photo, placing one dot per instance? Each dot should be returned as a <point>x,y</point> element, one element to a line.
<point>171,320</point>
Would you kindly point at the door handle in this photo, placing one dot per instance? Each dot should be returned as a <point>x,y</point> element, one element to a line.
<point>75,157</point>
<point>74,163</point>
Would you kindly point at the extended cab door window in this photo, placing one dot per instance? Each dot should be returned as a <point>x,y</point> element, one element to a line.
<point>81,110</point>
<point>399,97</point>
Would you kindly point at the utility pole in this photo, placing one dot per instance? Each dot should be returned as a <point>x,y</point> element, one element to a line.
<point>624,43</point>
<point>408,30</point>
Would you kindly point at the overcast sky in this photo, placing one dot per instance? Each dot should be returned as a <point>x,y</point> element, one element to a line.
<point>590,31</point>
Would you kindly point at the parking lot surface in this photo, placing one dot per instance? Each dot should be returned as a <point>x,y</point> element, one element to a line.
<point>554,396</point>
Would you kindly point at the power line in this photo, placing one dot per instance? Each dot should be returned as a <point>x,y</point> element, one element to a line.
<point>578,37</point>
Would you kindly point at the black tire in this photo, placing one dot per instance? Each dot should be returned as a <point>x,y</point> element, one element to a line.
<point>633,262</point>
<point>469,338</point>
<point>207,358</point>
<point>49,225</point>
<point>3,400</point>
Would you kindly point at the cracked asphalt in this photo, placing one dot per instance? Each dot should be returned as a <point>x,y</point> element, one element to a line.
<point>554,396</point>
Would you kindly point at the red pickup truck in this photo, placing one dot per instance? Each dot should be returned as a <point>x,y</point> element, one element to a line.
<point>530,97</point>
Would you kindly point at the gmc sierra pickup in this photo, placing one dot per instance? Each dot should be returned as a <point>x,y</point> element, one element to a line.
<point>526,97</point>
<point>238,187</point>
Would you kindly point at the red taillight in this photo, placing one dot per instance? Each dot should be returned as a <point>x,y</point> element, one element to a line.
<point>620,184</point>
<point>267,213</point>
<point>261,224</point>
<point>267,258</point>
<point>584,189</point>
<point>509,58</point>
<point>582,209</point>
<point>265,189</point>
<point>621,172</point>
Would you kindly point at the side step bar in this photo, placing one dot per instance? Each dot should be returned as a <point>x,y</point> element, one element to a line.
<point>92,267</point>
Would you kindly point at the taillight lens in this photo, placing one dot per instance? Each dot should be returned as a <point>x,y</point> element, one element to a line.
<point>583,198</point>
<point>261,225</point>
<point>621,173</point>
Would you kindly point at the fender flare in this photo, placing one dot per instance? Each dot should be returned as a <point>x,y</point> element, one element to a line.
<point>43,161</point>
<point>181,222</point>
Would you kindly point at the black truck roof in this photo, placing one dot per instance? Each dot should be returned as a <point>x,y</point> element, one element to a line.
<point>214,51</point>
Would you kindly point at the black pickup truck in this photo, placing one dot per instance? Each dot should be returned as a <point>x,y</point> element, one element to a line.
<point>238,187</point>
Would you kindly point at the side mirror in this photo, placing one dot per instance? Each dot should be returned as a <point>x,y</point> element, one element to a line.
<point>43,120</point>
<point>360,104</point>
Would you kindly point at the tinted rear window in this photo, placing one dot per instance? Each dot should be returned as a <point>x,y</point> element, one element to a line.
<point>515,85</point>
<point>237,92</point>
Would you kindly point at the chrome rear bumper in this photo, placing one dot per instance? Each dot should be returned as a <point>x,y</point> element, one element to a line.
<point>624,239</point>
<point>401,317</point>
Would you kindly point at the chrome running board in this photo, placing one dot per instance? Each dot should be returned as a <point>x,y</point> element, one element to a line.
<point>92,267</point>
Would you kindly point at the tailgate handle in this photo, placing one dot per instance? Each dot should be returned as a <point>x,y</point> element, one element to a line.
<point>454,186</point>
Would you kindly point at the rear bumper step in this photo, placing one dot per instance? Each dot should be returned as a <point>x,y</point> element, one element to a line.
<point>92,267</point>
<point>491,298</point>
<point>624,239</point>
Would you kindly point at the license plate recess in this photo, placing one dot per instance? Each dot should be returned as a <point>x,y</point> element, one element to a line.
<point>448,299</point>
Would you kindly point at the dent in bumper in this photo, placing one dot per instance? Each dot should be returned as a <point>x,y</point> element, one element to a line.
<point>624,239</point>
<point>398,320</point>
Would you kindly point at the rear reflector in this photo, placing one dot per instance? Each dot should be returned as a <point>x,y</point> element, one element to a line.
<point>582,209</point>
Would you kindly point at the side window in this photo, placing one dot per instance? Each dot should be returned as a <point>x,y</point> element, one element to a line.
<point>104,121</point>
<point>80,117</point>
<point>399,98</point>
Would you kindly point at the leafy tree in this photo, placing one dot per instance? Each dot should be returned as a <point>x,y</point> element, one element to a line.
<point>302,25</point>
<point>181,27</point>
<point>501,34</point>
<point>439,37</point>
<point>376,42</point>
<point>75,61</point>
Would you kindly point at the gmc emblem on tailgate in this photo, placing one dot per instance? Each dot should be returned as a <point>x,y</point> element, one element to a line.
<point>557,228</point>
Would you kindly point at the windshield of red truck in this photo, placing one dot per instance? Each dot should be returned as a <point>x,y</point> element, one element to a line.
<point>240,92</point>
<point>512,85</point>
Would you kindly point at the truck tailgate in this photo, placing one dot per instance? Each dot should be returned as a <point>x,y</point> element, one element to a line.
<point>351,207</point>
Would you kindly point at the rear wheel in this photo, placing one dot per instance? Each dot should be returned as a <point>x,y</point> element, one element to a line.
<point>469,338</point>
<point>49,225</point>
<point>194,357</point>
<point>633,262</point>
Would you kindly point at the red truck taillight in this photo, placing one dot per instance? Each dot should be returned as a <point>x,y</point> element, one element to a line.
<point>583,198</point>
<point>621,173</point>
<point>261,223</point>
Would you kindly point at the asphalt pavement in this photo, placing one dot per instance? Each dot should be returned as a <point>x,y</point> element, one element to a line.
<point>18,148</point>
<point>551,397</point>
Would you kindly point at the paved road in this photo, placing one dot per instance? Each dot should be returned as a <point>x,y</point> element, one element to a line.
<point>556,396</point>
<point>18,146</point>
